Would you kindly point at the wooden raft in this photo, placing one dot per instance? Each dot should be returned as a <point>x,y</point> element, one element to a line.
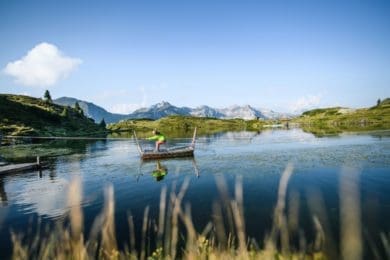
<point>173,152</point>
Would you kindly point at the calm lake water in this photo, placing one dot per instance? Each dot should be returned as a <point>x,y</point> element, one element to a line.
<point>258,159</point>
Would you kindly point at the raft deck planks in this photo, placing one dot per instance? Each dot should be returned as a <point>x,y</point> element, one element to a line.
<point>185,152</point>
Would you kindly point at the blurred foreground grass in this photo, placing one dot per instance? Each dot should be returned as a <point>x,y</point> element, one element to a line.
<point>224,237</point>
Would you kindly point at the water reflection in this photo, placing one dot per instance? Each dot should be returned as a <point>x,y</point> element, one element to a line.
<point>160,171</point>
<point>3,194</point>
<point>46,197</point>
<point>160,167</point>
<point>44,149</point>
<point>338,129</point>
<point>259,157</point>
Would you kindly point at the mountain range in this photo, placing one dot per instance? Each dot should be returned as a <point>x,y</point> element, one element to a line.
<point>163,109</point>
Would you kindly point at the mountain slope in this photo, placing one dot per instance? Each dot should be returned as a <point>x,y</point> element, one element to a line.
<point>206,111</point>
<point>91,110</point>
<point>23,115</point>
<point>245,112</point>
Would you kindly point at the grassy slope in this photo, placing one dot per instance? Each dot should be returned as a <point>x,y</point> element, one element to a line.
<point>335,120</point>
<point>182,126</point>
<point>23,115</point>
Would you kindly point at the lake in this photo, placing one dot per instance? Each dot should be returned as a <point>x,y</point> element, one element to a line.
<point>255,159</point>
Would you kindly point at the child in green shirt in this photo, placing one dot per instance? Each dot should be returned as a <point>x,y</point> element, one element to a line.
<point>159,137</point>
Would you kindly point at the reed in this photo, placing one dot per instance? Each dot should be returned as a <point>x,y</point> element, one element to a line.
<point>224,236</point>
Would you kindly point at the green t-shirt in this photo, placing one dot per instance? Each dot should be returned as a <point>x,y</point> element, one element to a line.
<point>159,137</point>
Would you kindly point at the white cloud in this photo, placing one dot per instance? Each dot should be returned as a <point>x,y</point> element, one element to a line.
<point>305,103</point>
<point>43,66</point>
<point>124,108</point>
<point>127,108</point>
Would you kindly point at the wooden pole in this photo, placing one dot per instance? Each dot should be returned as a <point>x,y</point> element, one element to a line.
<point>138,146</point>
<point>193,139</point>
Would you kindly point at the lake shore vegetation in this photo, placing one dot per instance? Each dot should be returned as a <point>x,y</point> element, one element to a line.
<point>182,126</point>
<point>335,120</point>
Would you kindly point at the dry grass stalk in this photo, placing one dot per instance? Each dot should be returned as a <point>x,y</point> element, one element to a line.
<point>76,219</point>
<point>161,219</point>
<point>386,244</point>
<point>317,207</point>
<point>280,227</point>
<point>144,232</point>
<point>130,221</point>
<point>351,233</point>
<point>109,245</point>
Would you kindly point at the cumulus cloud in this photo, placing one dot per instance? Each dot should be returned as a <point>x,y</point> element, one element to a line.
<point>306,103</point>
<point>44,65</point>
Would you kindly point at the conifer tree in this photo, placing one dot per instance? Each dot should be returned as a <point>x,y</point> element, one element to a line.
<point>102,123</point>
<point>47,97</point>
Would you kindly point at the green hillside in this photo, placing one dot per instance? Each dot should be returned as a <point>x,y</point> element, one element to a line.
<point>183,126</point>
<point>91,110</point>
<point>338,119</point>
<point>28,116</point>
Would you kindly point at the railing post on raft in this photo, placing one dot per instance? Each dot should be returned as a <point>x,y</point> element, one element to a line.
<point>138,146</point>
<point>193,139</point>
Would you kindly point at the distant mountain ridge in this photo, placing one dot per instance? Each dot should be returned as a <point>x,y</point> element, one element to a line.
<point>91,110</point>
<point>164,109</point>
<point>247,112</point>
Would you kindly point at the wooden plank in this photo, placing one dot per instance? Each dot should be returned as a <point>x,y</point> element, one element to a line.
<point>189,152</point>
<point>19,167</point>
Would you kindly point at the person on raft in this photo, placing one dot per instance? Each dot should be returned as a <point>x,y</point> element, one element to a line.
<point>160,139</point>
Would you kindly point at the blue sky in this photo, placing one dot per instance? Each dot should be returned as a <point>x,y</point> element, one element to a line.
<point>121,55</point>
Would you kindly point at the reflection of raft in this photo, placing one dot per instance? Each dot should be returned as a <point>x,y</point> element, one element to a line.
<point>172,152</point>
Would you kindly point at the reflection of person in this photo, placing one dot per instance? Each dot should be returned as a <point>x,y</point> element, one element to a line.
<point>159,137</point>
<point>160,171</point>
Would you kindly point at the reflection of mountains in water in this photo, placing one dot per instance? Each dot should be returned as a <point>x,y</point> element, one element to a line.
<point>245,136</point>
